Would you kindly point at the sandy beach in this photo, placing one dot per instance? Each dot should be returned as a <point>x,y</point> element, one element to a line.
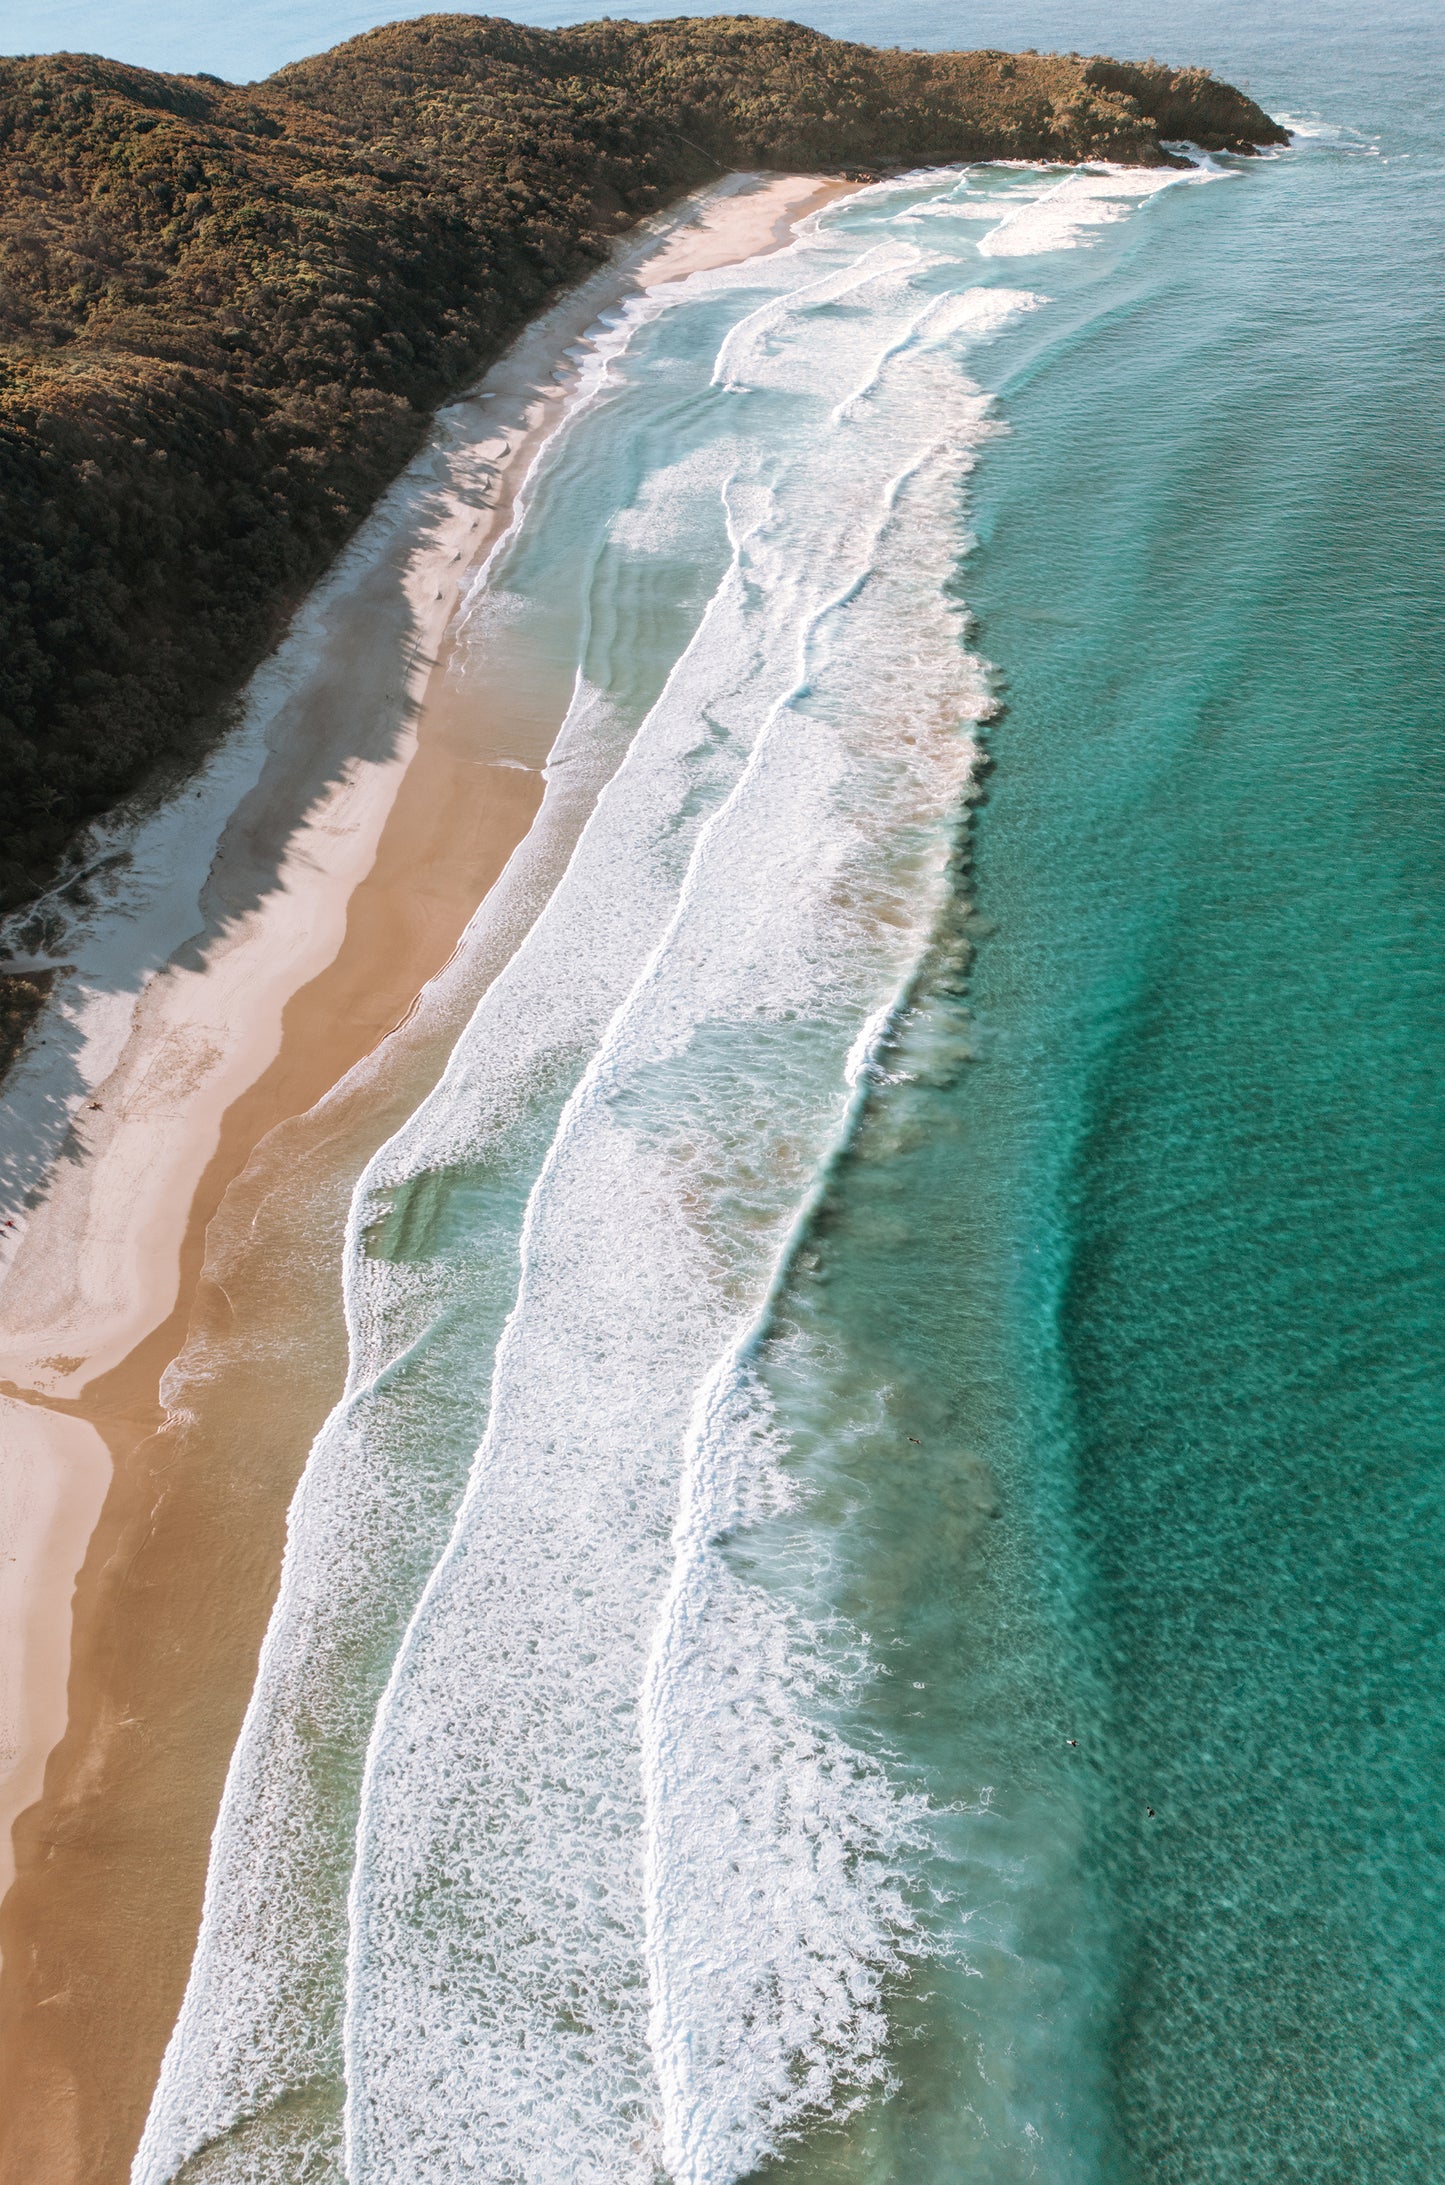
<point>267,977</point>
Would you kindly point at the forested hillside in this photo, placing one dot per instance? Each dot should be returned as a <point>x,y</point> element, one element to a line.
<point>226,312</point>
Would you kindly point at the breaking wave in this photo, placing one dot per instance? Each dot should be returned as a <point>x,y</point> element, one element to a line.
<point>542,1855</point>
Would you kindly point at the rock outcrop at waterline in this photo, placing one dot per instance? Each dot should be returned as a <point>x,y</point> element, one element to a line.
<point>227,311</point>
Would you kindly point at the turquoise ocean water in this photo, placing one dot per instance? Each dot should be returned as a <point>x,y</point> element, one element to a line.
<point>935,1672</point>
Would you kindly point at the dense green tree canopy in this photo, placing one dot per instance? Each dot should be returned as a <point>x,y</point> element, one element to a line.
<point>226,311</point>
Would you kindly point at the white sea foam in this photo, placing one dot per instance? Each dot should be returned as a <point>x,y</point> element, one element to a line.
<point>1329,135</point>
<point>260,2013</point>
<point>977,312</point>
<point>666,509</point>
<point>1061,218</point>
<point>259,2021</point>
<point>595,364</point>
<point>498,2014</point>
<point>760,1821</point>
<point>754,341</point>
<point>600,1754</point>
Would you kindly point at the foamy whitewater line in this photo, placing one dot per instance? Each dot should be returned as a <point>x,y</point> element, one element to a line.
<point>589,2110</point>
<point>830,287</point>
<point>234,2015</point>
<point>595,369</point>
<point>706,1982</point>
<point>594,374</point>
<point>241,2041</point>
<point>701,2146</point>
<point>552,1971</point>
<point>1058,219</point>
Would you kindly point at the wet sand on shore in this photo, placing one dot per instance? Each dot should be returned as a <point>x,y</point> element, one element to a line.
<point>137,1693</point>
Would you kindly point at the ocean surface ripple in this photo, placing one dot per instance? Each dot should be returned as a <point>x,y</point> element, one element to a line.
<point>704,1729</point>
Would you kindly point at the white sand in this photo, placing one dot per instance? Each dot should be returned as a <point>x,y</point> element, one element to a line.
<point>232,897</point>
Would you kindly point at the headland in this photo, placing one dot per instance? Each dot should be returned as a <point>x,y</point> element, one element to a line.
<point>230,311</point>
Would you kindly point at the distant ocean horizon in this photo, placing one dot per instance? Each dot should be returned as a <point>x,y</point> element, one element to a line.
<point>872,1611</point>
<point>1313,43</point>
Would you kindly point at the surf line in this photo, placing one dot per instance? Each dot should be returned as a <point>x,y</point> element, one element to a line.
<point>707,1508</point>
<point>592,1090</point>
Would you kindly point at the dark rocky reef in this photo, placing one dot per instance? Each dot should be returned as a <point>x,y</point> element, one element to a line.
<point>227,311</point>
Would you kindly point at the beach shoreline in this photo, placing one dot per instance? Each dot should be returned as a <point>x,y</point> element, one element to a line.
<point>163,1146</point>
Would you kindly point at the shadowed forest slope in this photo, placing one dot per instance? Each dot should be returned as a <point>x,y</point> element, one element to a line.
<point>227,311</point>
